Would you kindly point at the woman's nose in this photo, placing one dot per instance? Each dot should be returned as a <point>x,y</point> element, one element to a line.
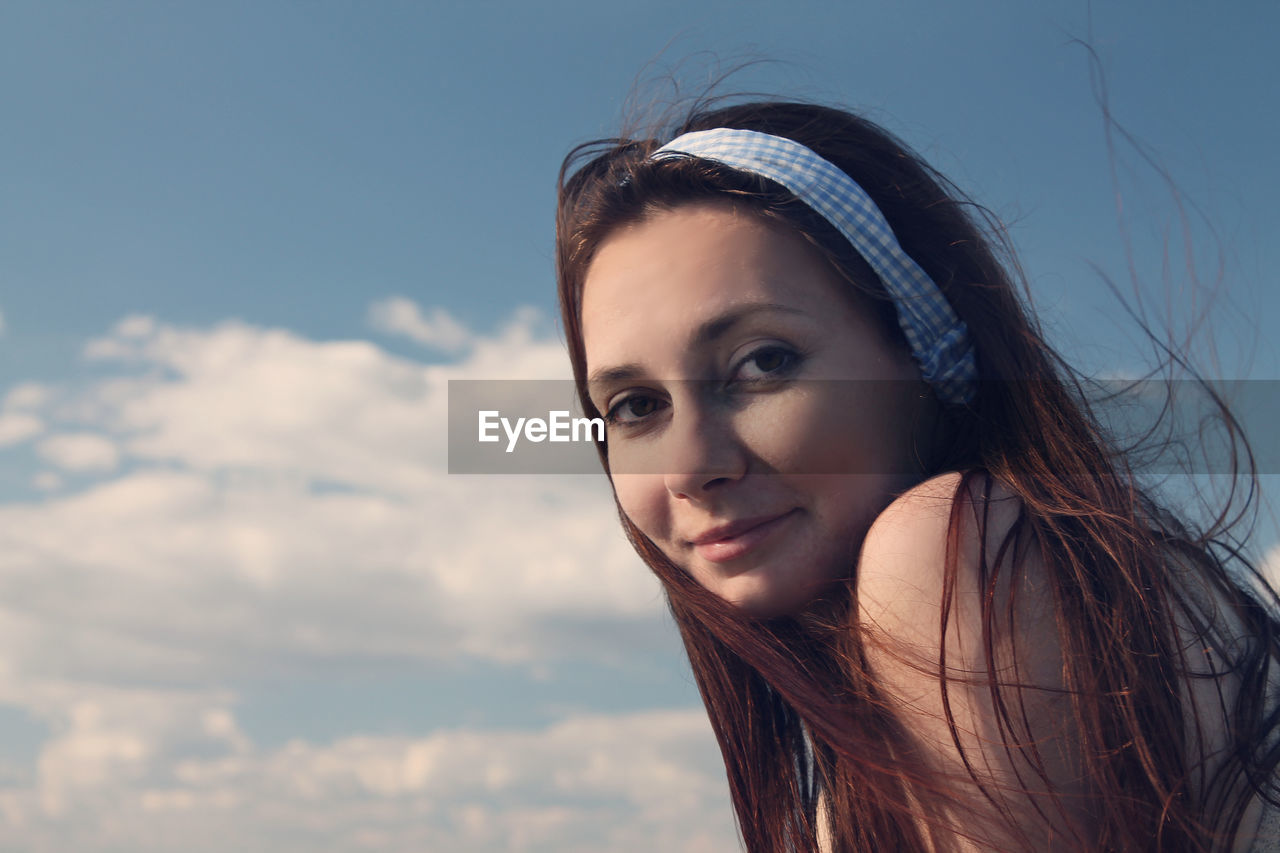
<point>703,453</point>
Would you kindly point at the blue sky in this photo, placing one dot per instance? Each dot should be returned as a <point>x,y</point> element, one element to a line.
<point>243,244</point>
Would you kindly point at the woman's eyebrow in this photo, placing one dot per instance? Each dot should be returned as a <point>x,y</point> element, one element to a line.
<point>708,332</point>
<point>720,325</point>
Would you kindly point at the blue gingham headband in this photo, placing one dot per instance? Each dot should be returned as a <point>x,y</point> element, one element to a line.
<point>937,337</point>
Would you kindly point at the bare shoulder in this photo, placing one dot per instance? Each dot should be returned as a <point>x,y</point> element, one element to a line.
<point>926,508</point>
<point>920,621</point>
<point>901,568</point>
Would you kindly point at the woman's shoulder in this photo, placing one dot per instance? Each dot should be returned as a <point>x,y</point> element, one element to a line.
<point>904,558</point>
<point>939,569</point>
<point>927,507</point>
<point>936,566</point>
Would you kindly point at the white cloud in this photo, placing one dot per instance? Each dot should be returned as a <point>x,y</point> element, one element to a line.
<point>287,501</point>
<point>47,481</point>
<point>28,395</point>
<point>178,576</point>
<point>136,326</point>
<point>243,397</point>
<point>79,452</point>
<point>17,427</point>
<point>286,510</point>
<point>141,771</point>
<point>400,316</point>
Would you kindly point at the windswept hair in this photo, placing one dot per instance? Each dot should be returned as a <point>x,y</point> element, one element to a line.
<point>1144,606</point>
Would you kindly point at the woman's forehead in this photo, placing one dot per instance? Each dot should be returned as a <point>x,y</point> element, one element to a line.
<point>653,285</point>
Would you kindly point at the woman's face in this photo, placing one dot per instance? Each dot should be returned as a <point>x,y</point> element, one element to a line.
<point>747,438</point>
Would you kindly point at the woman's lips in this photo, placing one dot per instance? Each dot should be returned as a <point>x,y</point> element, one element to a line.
<point>731,541</point>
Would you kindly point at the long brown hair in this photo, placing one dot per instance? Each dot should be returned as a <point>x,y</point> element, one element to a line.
<point>800,720</point>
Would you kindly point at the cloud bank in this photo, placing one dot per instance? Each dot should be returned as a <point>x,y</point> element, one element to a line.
<point>234,503</point>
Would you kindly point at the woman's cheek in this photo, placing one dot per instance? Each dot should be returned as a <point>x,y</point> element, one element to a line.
<point>642,498</point>
<point>783,429</point>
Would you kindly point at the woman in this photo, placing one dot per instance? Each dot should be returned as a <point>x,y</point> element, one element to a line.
<point>926,604</point>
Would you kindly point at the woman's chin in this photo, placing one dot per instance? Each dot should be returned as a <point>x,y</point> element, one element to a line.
<point>758,599</point>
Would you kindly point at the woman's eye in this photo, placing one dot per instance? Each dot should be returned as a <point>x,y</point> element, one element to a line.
<point>765,363</point>
<point>633,408</point>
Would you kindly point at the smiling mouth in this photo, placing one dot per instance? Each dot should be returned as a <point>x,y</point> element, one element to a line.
<point>732,541</point>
